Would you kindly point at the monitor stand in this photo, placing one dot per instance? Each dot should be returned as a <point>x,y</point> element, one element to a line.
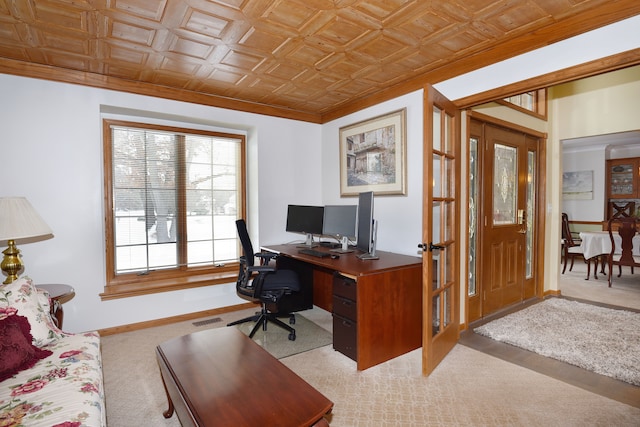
<point>372,254</point>
<point>309,243</point>
<point>345,246</point>
<point>368,256</point>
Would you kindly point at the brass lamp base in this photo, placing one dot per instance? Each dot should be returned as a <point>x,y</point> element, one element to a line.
<point>11,263</point>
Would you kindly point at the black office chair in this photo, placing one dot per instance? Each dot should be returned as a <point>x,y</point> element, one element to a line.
<point>265,284</point>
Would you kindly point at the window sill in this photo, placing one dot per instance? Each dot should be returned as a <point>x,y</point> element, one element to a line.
<point>166,285</point>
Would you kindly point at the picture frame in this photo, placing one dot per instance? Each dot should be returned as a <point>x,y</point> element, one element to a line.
<point>577,185</point>
<point>373,155</point>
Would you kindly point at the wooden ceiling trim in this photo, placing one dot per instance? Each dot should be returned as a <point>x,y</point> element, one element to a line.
<point>45,72</point>
<point>598,66</point>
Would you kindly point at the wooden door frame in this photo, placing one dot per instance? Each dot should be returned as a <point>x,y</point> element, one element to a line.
<point>541,168</point>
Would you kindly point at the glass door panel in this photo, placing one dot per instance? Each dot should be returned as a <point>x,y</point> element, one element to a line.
<point>505,195</point>
<point>530,217</point>
<point>473,214</point>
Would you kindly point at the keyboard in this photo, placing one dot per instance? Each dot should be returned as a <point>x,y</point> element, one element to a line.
<point>315,253</point>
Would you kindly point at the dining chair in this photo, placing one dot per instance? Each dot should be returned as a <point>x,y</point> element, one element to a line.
<point>571,247</point>
<point>621,209</point>
<point>623,255</point>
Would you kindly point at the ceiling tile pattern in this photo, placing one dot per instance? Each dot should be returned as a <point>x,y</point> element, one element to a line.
<point>304,55</point>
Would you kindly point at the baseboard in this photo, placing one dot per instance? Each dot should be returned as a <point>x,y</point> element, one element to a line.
<point>174,319</point>
<point>551,292</point>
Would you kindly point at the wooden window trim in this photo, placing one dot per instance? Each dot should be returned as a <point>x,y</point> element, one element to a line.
<point>540,105</point>
<point>136,284</point>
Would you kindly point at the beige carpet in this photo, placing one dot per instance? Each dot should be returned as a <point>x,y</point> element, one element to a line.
<point>469,388</point>
<point>624,290</point>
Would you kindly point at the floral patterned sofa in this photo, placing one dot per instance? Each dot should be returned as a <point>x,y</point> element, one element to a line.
<point>48,377</point>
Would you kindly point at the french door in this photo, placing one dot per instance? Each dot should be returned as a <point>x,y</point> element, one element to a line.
<point>441,231</point>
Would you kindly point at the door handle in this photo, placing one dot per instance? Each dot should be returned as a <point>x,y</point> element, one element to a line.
<point>429,247</point>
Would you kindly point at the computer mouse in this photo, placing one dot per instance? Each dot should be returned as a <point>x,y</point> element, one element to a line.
<point>335,256</point>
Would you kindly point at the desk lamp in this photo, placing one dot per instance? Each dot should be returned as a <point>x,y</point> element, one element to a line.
<point>18,220</point>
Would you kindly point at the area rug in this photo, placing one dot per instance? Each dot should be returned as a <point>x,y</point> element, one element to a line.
<point>601,340</point>
<point>276,340</point>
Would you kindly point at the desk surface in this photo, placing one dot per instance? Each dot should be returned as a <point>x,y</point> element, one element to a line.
<point>220,377</point>
<point>349,263</point>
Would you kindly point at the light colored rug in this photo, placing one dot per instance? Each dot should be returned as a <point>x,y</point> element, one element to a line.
<point>601,340</point>
<point>276,340</point>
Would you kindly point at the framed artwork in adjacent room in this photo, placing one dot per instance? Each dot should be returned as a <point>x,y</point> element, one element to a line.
<point>577,185</point>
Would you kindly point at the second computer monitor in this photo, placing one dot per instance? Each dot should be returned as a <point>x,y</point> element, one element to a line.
<point>340,221</point>
<point>366,226</point>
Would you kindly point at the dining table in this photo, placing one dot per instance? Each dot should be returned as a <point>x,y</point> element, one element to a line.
<point>596,246</point>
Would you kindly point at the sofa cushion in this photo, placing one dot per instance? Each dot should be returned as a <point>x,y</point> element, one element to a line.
<point>64,389</point>
<point>23,295</point>
<point>17,351</point>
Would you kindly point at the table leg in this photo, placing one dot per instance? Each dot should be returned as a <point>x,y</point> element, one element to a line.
<point>169,412</point>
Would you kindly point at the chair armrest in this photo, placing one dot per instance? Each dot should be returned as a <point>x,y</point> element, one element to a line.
<point>266,257</point>
<point>261,269</point>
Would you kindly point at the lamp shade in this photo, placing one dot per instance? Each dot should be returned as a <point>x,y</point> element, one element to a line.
<point>18,220</point>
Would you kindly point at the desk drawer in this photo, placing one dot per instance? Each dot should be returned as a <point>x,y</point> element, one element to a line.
<point>345,337</point>
<point>344,287</point>
<point>345,307</point>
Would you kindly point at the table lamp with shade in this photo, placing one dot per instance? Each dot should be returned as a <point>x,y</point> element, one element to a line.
<point>18,221</point>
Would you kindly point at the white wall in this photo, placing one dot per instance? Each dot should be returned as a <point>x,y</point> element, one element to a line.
<point>586,160</point>
<point>50,136</point>
<point>399,217</point>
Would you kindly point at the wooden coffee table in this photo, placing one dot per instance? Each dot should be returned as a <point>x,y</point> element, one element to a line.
<point>220,377</point>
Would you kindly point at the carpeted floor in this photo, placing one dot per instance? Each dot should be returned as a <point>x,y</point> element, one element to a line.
<point>469,388</point>
<point>602,340</point>
<point>624,290</point>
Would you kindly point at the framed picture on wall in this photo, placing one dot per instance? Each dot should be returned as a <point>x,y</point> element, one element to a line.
<point>373,155</point>
<point>577,185</point>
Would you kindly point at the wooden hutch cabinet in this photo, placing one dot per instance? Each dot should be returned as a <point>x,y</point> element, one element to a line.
<point>623,187</point>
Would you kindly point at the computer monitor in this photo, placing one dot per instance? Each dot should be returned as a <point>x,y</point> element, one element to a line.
<point>306,220</point>
<point>367,227</point>
<point>340,223</point>
<point>340,220</point>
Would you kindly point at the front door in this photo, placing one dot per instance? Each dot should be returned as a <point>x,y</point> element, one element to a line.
<point>502,271</point>
<point>440,234</point>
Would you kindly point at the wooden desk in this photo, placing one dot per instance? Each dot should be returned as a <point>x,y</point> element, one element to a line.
<point>376,304</point>
<point>220,377</point>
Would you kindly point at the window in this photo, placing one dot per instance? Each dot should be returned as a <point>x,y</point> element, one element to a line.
<point>533,103</point>
<point>172,198</point>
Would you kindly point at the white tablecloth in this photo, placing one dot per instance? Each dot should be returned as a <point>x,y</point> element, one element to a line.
<point>596,243</point>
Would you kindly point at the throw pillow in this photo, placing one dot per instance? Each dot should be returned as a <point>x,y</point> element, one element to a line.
<point>17,352</point>
<point>23,295</point>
